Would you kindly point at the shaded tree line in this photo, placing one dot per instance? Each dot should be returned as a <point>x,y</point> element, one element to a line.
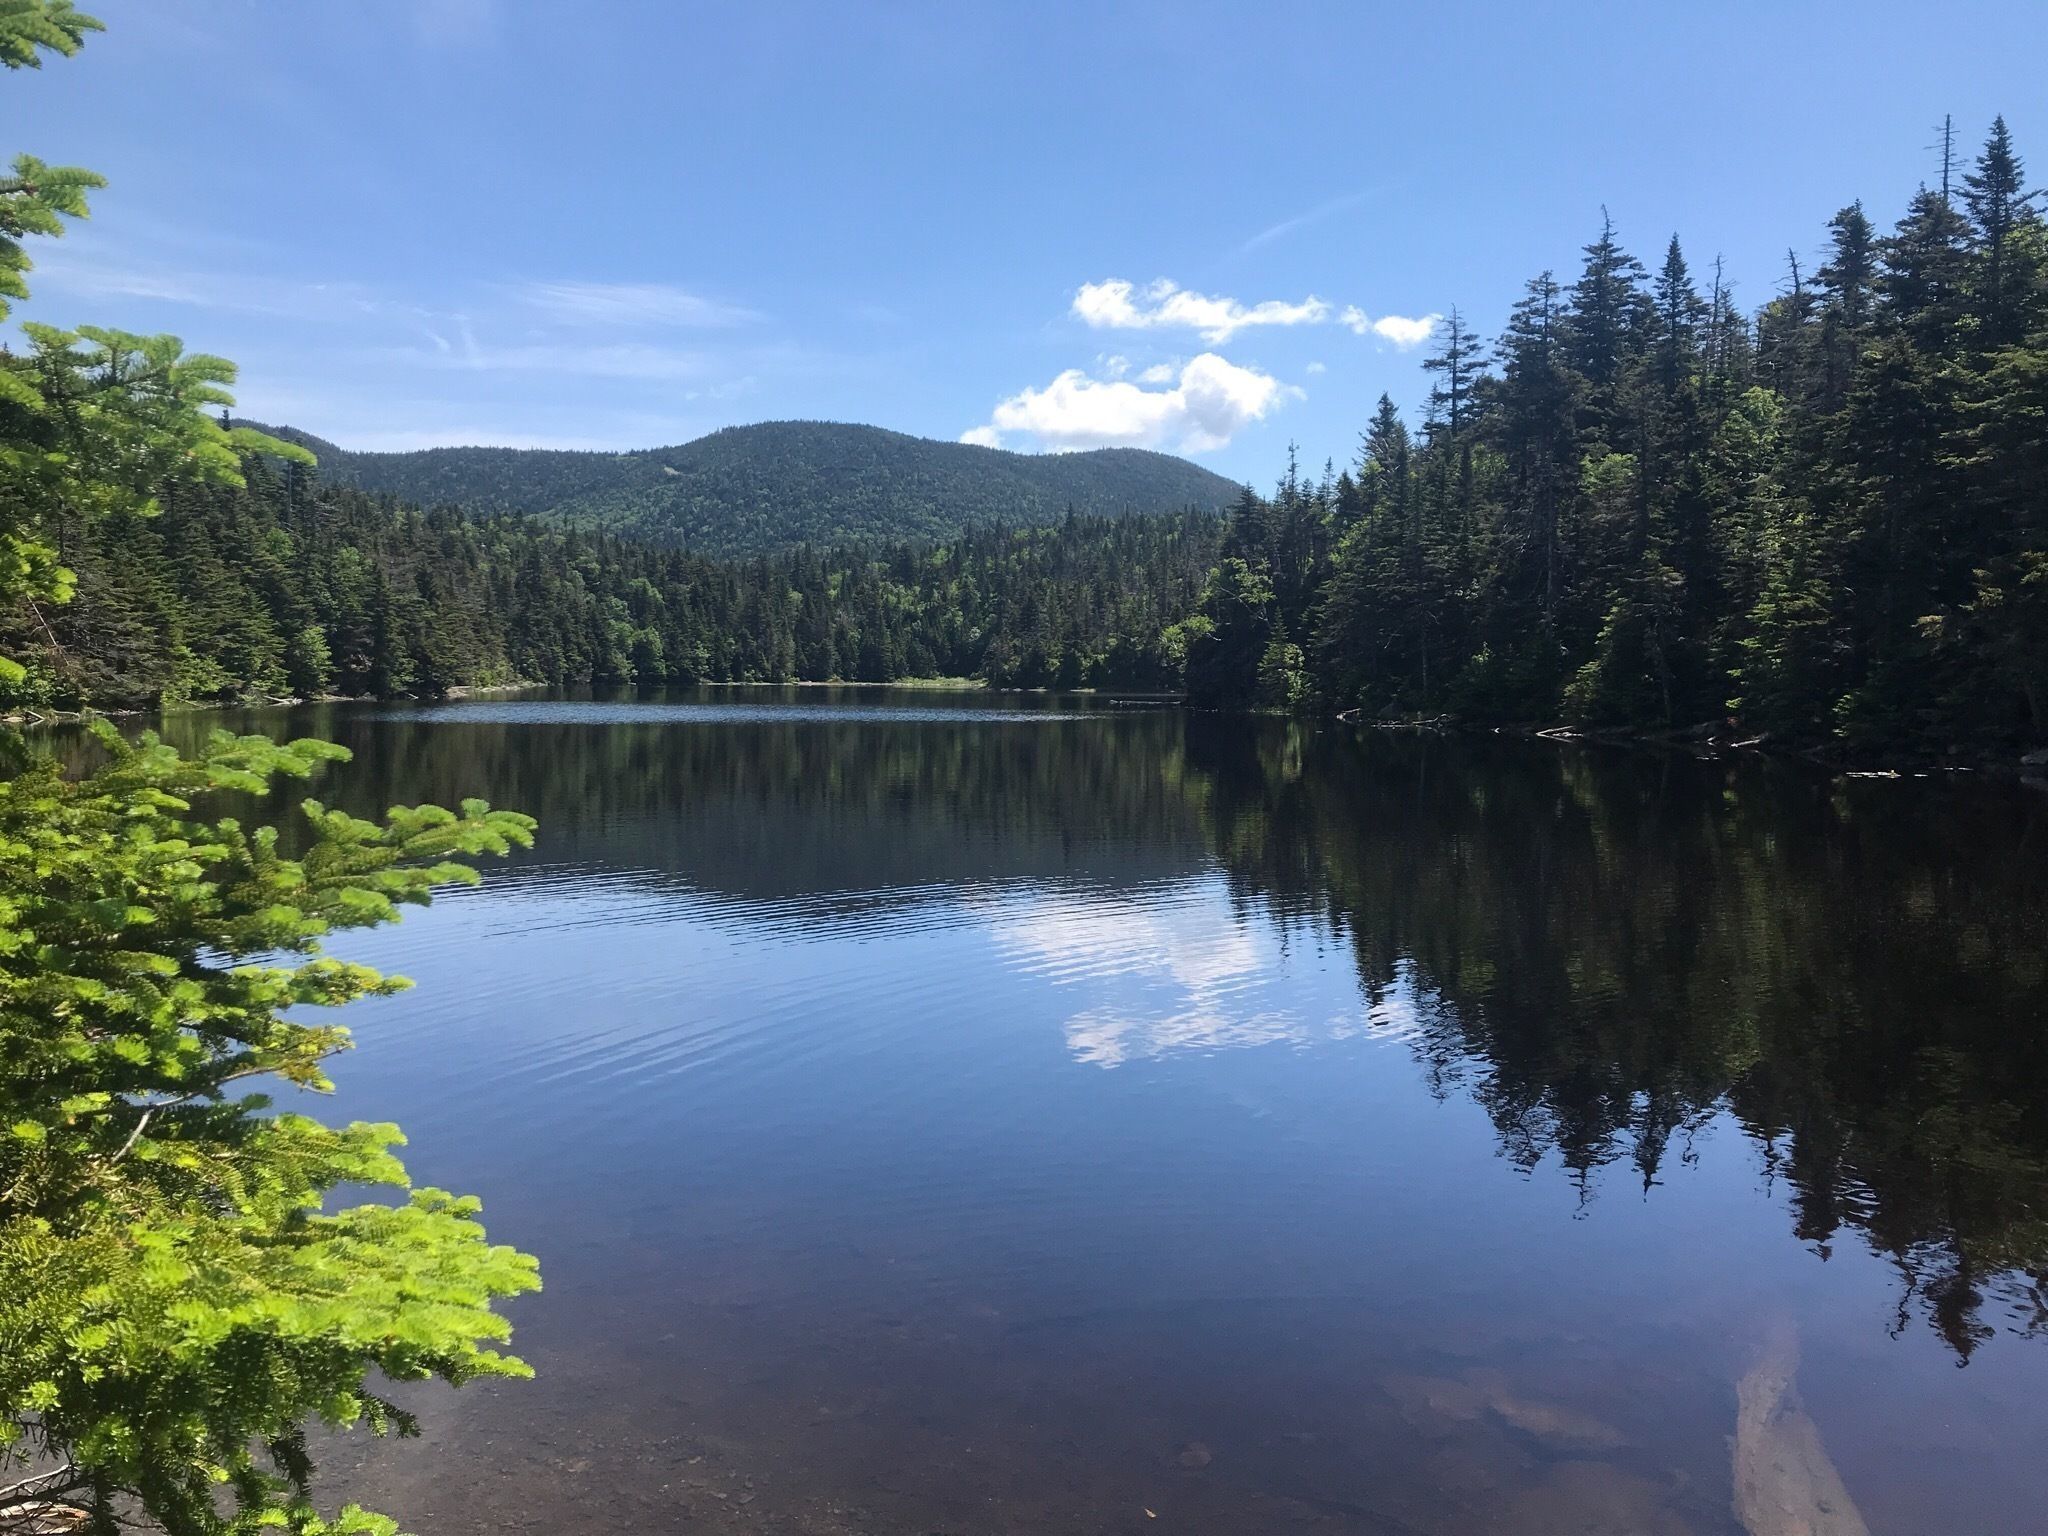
<point>1643,509</point>
<point>288,586</point>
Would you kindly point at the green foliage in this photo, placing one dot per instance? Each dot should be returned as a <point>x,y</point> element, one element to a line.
<point>1283,683</point>
<point>34,200</point>
<point>1227,653</point>
<point>765,487</point>
<point>175,1304</point>
<point>93,425</point>
<point>29,25</point>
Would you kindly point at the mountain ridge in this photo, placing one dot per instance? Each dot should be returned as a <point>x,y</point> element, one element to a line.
<point>770,485</point>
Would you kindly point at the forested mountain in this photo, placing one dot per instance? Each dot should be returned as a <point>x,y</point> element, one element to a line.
<point>287,585</point>
<point>753,489</point>
<point>1642,510</point>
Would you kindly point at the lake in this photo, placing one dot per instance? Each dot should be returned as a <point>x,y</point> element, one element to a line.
<point>958,1114</point>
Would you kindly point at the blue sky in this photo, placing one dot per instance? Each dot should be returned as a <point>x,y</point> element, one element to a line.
<point>1204,228</point>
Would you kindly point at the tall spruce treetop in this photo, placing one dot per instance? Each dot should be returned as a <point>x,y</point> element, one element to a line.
<point>1606,328</point>
<point>1848,277</point>
<point>2000,206</point>
<point>1680,312</point>
<point>1995,190</point>
<point>1923,264</point>
<point>1384,467</point>
<point>1457,365</point>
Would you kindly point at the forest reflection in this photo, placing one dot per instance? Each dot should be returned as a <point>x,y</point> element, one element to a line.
<point>1605,950</point>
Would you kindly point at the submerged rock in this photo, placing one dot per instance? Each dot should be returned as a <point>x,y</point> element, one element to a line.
<point>1785,1485</point>
<point>1558,1427</point>
<point>1433,1402</point>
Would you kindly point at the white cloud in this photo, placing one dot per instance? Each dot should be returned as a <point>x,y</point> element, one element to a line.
<point>1210,401</point>
<point>1317,368</point>
<point>1160,373</point>
<point>1403,331</point>
<point>630,304</point>
<point>1120,305</point>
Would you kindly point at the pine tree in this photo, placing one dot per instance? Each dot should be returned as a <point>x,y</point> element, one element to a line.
<point>1847,282</point>
<point>1604,331</point>
<point>1999,206</point>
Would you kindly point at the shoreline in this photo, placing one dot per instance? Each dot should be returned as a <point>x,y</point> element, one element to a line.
<point>914,684</point>
<point>1699,742</point>
<point>254,701</point>
<point>2027,765</point>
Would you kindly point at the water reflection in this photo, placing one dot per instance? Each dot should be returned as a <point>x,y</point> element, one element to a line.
<point>1174,972</point>
<point>936,1118</point>
<point>1604,949</point>
<point>1619,945</point>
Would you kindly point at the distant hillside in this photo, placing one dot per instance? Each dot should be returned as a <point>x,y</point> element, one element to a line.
<point>750,489</point>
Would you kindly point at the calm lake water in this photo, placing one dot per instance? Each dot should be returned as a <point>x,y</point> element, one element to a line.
<point>946,1114</point>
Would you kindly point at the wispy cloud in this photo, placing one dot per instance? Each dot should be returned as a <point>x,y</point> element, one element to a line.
<point>440,360</point>
<point>76,268</point>
<point>573,306</point>
<point>603,303</point>
<point>1119,304</point>
<point>439,411</point>
<point>583,359</point>
<point>453,23</point>
<point>1402,331</point>
<point>1208,403</point>
<point>1301,221</point>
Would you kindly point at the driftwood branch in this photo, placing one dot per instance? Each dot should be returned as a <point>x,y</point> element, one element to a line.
<point>36,1506</point>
